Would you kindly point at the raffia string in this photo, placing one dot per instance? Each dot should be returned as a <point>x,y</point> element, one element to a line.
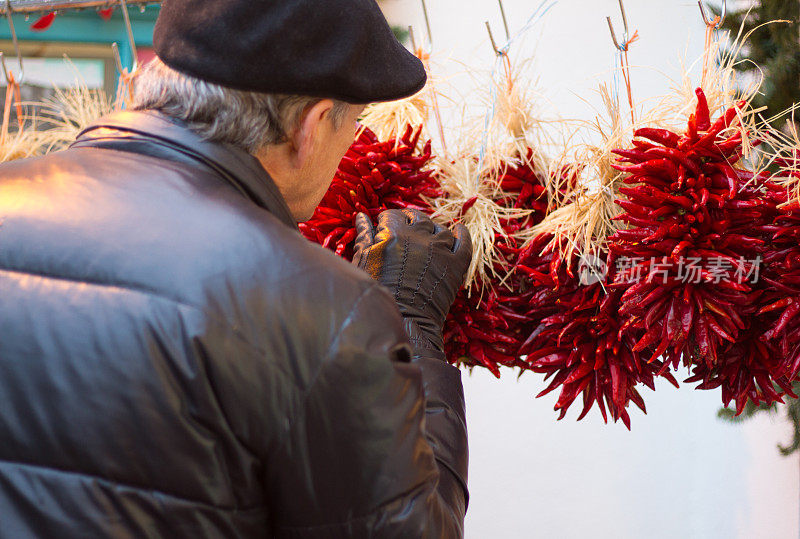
<point>13,97</point>
<point>711,31</point>
<point>426,60</point>
<point>124,90</point>
<point>625,66</point>
<point>540,11</point>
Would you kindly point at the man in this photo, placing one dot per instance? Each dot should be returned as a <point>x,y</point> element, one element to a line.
<point>175,359</point>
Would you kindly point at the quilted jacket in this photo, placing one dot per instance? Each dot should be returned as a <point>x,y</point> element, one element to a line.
<point>177,361</point>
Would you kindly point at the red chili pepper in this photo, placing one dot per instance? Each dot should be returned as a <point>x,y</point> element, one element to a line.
<point>361,184</point>
<point>660,136</point>
<point>705,206</point>
<point>702,113</point>
<point>467,205</point>
<point>659,168</point>
<point>677,157</point>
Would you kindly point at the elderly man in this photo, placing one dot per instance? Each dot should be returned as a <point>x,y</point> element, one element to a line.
<point>175,359</point>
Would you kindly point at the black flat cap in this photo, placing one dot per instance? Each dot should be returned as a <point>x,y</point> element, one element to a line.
<point>341,49</point>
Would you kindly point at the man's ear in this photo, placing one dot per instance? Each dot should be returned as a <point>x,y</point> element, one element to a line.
<point>312,123</point>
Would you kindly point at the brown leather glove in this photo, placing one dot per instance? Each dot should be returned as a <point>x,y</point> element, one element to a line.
<point>423,265</point>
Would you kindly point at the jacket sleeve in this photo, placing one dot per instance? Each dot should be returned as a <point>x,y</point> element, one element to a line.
<point>378,446</point>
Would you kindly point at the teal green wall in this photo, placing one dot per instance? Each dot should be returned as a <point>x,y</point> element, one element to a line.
<point>88,27</point>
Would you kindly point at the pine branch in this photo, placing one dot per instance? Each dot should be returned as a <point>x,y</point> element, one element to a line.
<point>772,48</point>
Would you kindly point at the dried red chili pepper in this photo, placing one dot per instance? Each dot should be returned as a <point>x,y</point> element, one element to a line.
<point>780,308</point>
<point>579,339</point>
<point>692,209</point>
<point>499,309</point>
<point>373,176</point>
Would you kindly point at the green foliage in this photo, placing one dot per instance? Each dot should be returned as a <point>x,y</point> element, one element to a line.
<point>400,33</point>
<point>774,49</point>
<point>791,408</point>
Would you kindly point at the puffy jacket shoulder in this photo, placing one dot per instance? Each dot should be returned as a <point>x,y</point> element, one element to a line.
<point>169,323</point>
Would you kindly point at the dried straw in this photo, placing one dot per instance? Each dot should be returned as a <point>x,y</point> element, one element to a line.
<point>506,136</point>
<point>723,89</point>
<point>389,120</point>
<point>55,122</point>
<point>583,226</point>
<point>21,145</point>
<point>70,111</point>
<point>482,219</point>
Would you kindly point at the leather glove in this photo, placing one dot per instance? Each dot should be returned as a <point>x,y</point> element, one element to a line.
<point>423,265</point>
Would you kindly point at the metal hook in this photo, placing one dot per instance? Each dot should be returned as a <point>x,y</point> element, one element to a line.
<point>131,41</point>
<point>625,26</point>
<point>117,57</point>
<point>713,22</point>
<point>430,36</point>
<point>412,38</point>
<point>428,26</point>
<point>505,20</point>
<point>498,51</point>
<point>15,42</point>
<point>5,68</point>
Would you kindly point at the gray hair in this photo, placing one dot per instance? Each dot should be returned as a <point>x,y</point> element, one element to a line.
<point>249,120</point>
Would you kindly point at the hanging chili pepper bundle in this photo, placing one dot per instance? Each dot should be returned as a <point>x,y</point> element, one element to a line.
<point>676,212</point>
<point>753,367</point>
<point>486,325</point>
<point>500,195</point>
<point>484,329</point>
<point>759,367</point>
<point>578,342</point>
<point>697,228</point>
<point>783,266</point>
<point>373,176</point>
<point>575,337</point>
<point>778,319</point>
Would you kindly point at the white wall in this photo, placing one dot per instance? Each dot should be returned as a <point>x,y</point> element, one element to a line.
<point>681,473</point>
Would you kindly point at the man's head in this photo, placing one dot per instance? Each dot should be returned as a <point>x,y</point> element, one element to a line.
<point>235,71</point>
<point>299,140</point>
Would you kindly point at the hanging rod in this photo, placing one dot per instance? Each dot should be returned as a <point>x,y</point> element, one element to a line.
<point>31,6</point>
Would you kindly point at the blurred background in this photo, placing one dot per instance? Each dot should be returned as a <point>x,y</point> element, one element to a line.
<point>681,472</point>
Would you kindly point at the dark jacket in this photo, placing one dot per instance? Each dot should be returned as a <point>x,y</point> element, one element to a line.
<point>177,361</point>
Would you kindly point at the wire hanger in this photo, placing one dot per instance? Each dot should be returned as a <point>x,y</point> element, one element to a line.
<point>716,22</point>
<point>131,42</point>
<point>624,46</point>
<point>424,55</point>
<point>712,25</point>
<point>622,53</point>
<point>8,75</point>
<point>497,51</point>
<point>429,46</point>
<point>428,27</point>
